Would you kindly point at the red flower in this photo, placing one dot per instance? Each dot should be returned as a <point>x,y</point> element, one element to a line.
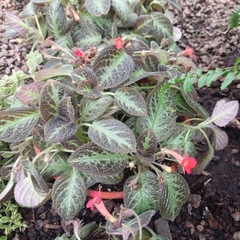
<point>118,43</point>
<point>188,163</point>
<point>95,199</point>
<point>188,51</point>
<point>78,53</point>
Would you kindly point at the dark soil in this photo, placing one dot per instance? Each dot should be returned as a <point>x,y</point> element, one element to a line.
<point>213,209</point>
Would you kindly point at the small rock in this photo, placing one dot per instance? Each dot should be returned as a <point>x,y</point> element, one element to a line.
<point>8,71</point>
<point>189,224</point>
<point>236,235</point>
<point>200,228</point>
<point>236,216</point>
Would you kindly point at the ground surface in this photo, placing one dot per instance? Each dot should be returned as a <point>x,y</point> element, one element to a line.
<point>213,209</point>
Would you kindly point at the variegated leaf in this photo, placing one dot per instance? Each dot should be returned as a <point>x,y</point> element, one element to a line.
<point>122,8</point>
<point>56,19</point>
<point>51,95</point>
<point>111,179</point>
<point>160,114</point>
<point>97,7</point>
<point>147,143</point>
<point>57,130</point>
<point>145,196</point>
<point>66,110</point>
<point>16,124</point>
<point>131,101</point>
<point>174,192</point>
<point>86,88</point>
<point>112,135</point>
<point>69,194</point>
<point>97,162</point>
<point>112,67</point>
<point>84,73</point>
<point>91,109</point>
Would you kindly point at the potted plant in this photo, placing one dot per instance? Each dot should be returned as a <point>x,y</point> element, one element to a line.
<point>103,96</point>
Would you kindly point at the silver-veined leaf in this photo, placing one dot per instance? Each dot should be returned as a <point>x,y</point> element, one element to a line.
<point>46,74</point>
<point>69,194</point>
<point>112,67</point>
<point>56,19</point>
<point>51,95</point>
<point>97,7</point>
<point>16,124</point>
<point>147,143</point>
<point>122,8</point>
<point>57,130</point>
<point>110,179</point>
<point>112,135</point>
<point>57,165</point>
<point>91,159</point>
<point>145,196</point>
<point>87,38</point>
<point>91,109</point>
<point>66,110</point>
<point>174,193</point>
<point>160,114</point>
<point>131,101</point>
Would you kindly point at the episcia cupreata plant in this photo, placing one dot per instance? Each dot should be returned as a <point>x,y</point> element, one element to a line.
<point>92,128</point>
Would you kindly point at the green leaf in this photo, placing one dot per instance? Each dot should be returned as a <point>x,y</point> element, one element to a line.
<point>112,67</point>
<point>82,74</point>
<point>112,135</point>
<point>52,94</point>
<point>46,74</point>
<point>194,105</point>
<point>86,88</point>
<point>111,179</point>
<point>66,110</point>
<point>56,19</point>
<point>33,60</point>
<point>97,7</point>
<point>57,165</point>
<point>29,194</point>
<point>91,159</point>
<point>156,24</point>
<point>57,130</point>
<point>160,114</point>
<point>69,194</point>
<point>147,143</point>
<point>91,109</point>
<point>16,124</point>
<point>203,160</point>
<point>131,101</point>
<point>145,196</point>
<point>87,38</point>
<point>122,8</point>
<point>174,193</point>
<point>228,79</point>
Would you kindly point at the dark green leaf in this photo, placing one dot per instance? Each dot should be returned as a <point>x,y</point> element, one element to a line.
<point>174,193</point>
<point>112,135</point>
<point>69,194</point>
<point>91,109</point>
<point>16,124</point>
<point>131,101</point>
<point>122,8</point>
<point>57,130</point>
<point>111,179</point>
<point>91,159</point>
<point>56,19</point>
<point>160,114</point>
<point>146,194</point>
<point>51,95</point>
<point>97,7</point>
<point>112,67</point>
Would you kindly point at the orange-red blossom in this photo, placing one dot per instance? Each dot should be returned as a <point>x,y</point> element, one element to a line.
<point>97,202</point>
<point>187,163</point>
